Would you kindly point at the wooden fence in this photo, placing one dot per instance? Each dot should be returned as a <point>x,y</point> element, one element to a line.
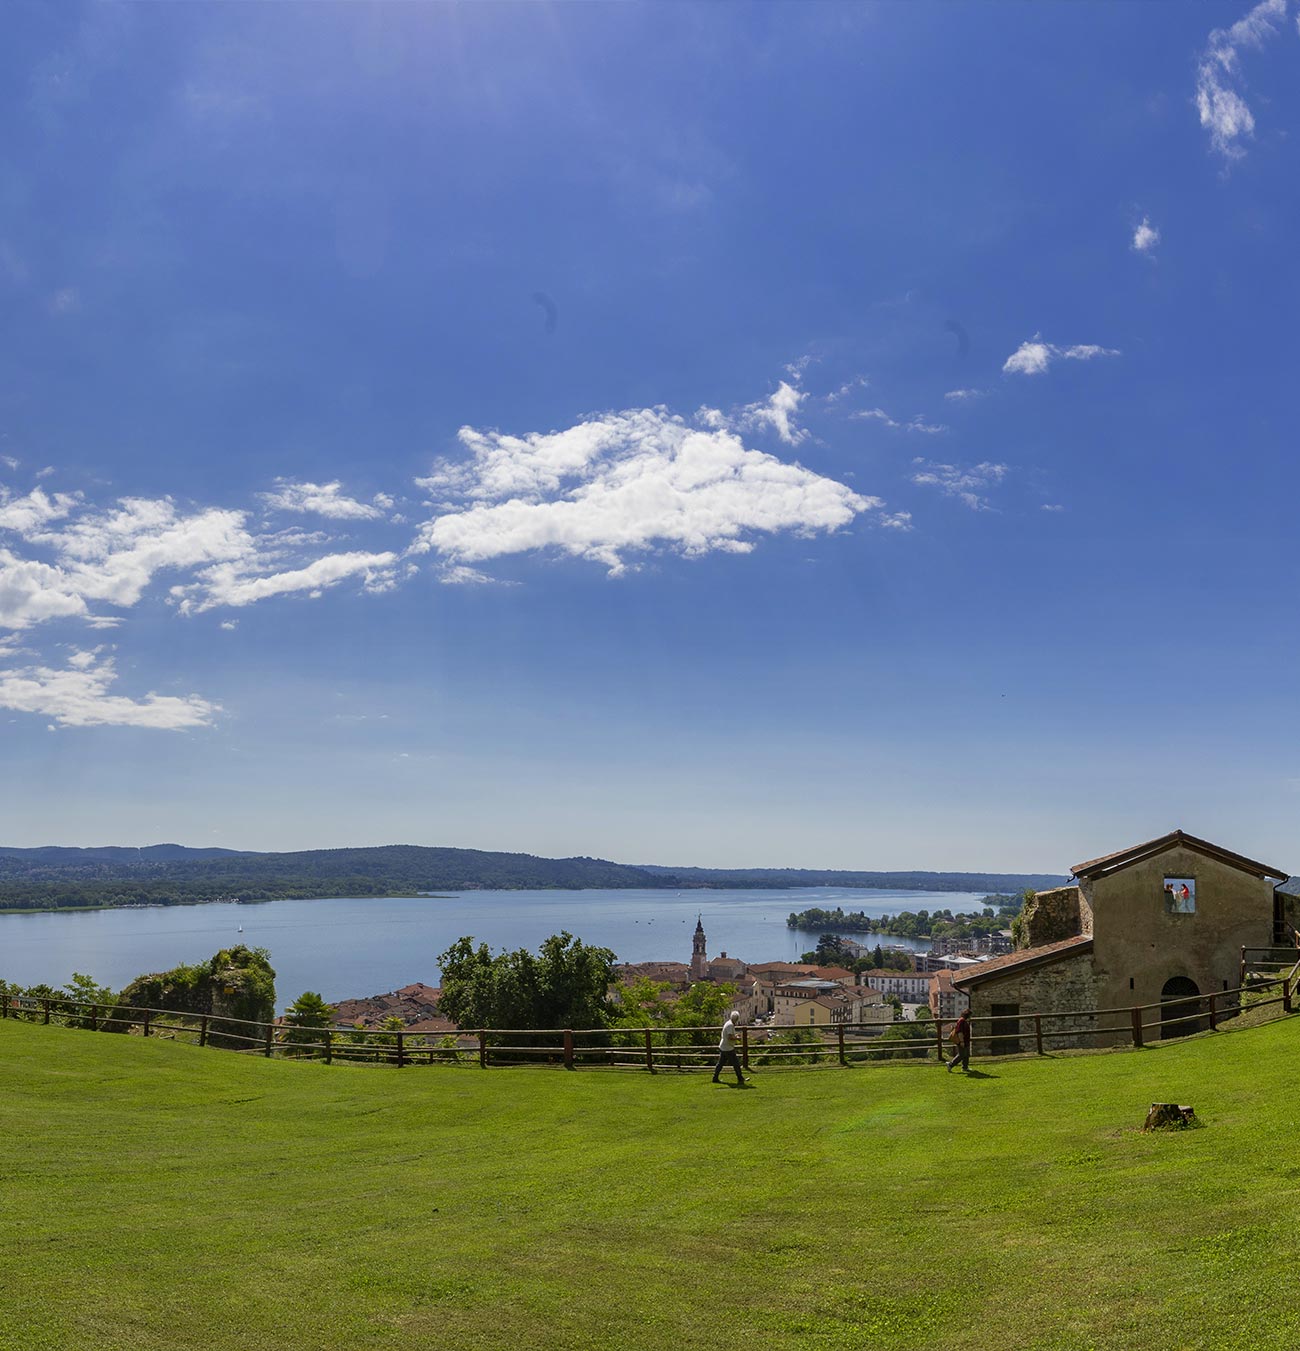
<point>657,1049</point>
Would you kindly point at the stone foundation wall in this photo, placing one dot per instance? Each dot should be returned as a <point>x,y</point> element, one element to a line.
<point>1066,986</point>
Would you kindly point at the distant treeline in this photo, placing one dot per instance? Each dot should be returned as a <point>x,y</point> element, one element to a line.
<point>58,878</point>
<point>995,913</point>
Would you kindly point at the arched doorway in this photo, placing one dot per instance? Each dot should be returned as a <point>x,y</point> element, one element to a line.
<point>1178,1000</point>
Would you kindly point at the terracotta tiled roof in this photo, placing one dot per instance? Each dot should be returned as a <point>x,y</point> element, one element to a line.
<point>1109,863</point>
<point>1016,961</point>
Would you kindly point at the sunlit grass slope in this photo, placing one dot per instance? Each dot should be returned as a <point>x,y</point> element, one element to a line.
<point>157,1197</point>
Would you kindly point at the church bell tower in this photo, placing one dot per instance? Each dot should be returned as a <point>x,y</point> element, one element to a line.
<point>699,956</point>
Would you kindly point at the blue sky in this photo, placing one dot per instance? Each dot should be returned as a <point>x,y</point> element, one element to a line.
<point>809,435</point>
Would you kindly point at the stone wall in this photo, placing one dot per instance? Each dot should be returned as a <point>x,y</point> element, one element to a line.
<point>1053,916</point>
<point>1067,986</point>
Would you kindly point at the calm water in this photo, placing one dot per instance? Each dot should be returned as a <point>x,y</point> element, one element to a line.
<point>348,948</point>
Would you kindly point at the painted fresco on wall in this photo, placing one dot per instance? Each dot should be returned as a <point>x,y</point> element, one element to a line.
<point>1180,895</point>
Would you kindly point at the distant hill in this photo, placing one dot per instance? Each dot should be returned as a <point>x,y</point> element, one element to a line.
<point>1007,883</point>
<point>172,874</point>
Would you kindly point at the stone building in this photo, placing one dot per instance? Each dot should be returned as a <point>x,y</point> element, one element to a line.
<point>1161,921</point>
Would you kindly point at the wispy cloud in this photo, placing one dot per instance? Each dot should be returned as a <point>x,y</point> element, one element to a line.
<point>778,413</point>
<point>625,483</point>
<point>963,395</point>
<point>1224,113</point>
<point>323,499</point>
<point>79,696</point>
<point>967,483</point>
<point>1145,237</point>
<point>1035,356</point>
<point>229,584</point>
<point>913,424</point>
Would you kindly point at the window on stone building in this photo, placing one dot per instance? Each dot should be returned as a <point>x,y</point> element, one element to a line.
<point>1180,895</point>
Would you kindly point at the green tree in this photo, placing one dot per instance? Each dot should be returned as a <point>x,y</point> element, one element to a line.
<point>565,985</point>
<point>85,990</point>
<point>309,1018</point>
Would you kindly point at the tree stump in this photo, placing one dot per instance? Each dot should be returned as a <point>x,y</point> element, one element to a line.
<point>1168,1116</point>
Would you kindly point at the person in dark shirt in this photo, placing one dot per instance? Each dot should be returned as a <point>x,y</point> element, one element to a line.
<point>960,1038</point>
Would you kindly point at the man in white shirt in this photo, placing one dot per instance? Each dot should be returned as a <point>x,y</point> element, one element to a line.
<point>727,1054</point>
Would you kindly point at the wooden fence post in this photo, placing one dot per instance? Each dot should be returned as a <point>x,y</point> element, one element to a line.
<point>401,1050</point>
<point>568,1048</point>
<point>1214,1010</point>
<point>744,1049</point>
<point>94,1017</point>
<point>46,1003</point>
<point>270,1035</point>
<point>649,1052</point>
<point>1038,1031</point>
<point>1241,977</point>
<point>1137,1026</point>
<point>147,1013</point>
<point>329,1047</point>
<point>938,1037</point>
<point>1286,994</point>
<point>482,1050</point>
<point>203,1029</point>
<point>840,1031</point>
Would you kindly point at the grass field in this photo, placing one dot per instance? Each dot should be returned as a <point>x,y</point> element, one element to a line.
<point>158,1197</point>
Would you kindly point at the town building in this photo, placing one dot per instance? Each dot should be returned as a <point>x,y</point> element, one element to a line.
<point>812,1002</point>
<point>946,1001</point>
<point>912,987</point>
<point>675,974</point>
<point>414,1004</point>
<point>1162,921</point>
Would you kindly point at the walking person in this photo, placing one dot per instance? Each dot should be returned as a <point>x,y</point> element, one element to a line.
<point>727,1053</point>
<point>960,1038</point>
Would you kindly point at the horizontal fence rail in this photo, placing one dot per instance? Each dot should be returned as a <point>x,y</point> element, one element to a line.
<point>678,1049</point>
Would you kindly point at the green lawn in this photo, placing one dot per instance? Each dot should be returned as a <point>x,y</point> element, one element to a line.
<point>159,1197</point>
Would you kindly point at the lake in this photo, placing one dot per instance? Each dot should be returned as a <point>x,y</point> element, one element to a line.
<point>348,948</point>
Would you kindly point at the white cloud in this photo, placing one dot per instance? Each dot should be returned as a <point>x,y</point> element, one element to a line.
<point>1145,237</point>
<point>32,592</point>
<point>967,483</point>
<point>10,461</point>
<point>324,499</point>
<point>25,515</point>
<point>78,697</point>
<point>914,424</point>
<point>778,412</point>
<point>1222,110</point>
<point>897,520</point>
<point>622,483</point>
<point>963,395</point>
<point>1035,356</point>
<point>229,584</point>
<point>457,574</point>
<point>1053,506</point>
<point>847,388</point>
